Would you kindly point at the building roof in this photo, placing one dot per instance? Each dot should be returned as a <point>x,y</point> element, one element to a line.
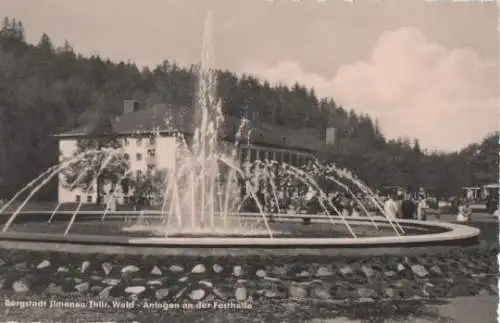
<point>165,118</point>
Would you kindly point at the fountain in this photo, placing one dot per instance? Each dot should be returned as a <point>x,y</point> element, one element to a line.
<point>202,198</point>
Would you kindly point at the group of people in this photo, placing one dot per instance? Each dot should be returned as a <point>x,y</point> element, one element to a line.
<point>406,207</point>
<point>403,206</point>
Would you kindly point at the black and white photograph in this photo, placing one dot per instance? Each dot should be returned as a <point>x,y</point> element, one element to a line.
<point>317,161</point>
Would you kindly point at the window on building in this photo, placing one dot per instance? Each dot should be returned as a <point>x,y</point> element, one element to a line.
<point>300,159</point>
<point>126,156</point>
<point>279,156</point>
<point>265,154</point>
<point>89,199</point>
<point>273,156</point>
<point>139,173</point>
<point>253,154</point>
<point>152,140</point>
<point>125,141</point>
<point>78,199</point>
<point>151,153</point>
<point>139,141</point>
<point>243,155</point>
<point>138,156</point>
<point>286,157</point>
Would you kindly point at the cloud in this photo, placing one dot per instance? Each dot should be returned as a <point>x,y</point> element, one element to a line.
<point>445,98</point>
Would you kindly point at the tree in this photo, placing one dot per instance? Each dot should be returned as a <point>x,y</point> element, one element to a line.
<point>109,165</point>
<point>150,186</point>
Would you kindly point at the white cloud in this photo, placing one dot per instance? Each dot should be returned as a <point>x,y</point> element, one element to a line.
<point>414,88</point>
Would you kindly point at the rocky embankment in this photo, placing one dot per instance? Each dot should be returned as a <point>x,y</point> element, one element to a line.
<point>176,279</point>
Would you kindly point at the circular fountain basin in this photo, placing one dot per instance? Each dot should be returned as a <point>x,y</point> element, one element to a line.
<point>31,230</point>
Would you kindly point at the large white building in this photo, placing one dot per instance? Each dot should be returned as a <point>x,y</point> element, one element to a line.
<point>146,136</point>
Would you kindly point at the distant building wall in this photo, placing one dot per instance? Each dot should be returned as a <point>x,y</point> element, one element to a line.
<point>330,137</point>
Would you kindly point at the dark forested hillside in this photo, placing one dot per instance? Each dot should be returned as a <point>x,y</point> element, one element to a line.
<point>46,89</point>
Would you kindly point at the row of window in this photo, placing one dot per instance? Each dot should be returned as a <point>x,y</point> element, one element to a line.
<point>138,156</point>
<point>138,141</point>
<point>78,199</point>
<point>294,158</point>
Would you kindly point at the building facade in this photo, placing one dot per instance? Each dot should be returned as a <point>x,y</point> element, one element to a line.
<point>148,142</point>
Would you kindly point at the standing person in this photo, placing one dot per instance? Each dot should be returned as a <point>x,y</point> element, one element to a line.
<point>421,209</point>
<point>407,208</point>
<point>390,207</point>
<point>462,212</point>
<point>399,202</point>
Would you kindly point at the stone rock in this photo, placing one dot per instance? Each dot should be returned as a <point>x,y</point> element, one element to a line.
<point>346,270</point>
<point>272,279</point>
<point>135,289</point>
<point>206,283</point>
<point>156,271</point>
<point>364,292</point>
<point>21,266</point>
<point>2,282</point>
<point>217,268</point>
<point>129,269</point>
<point>20,286</point>
<point>2,262</point>
<point>54,289</point>
<point>197,294</point>
<point>176,268</point>
<point>324,271</point>
<point>62,269</point>
<point>390,292</point>
<point>104,294</point>
<point>419,271</point>
<point>240,293</point>
<point>260,273</point>
<point>111,281</point>
<point>279,271</point>
<point>107,267</point>
<point>183,279</point>
<point>390,273</point>
<point>161,293</point>
<point>85,265</point>
<point>401,267</point>
<point>237,270</point>
<point>369,272</point>
<point>320,292</point>
<point>95,289</point>
<point>270,294</point>
<point>154,282</point>
<point>303,273</point>
<point>44,264</point>
<point>83,287</point>
<point>297,291</point>
<point>95,277</point>
<point>436,270</point>
<point>198,269</point>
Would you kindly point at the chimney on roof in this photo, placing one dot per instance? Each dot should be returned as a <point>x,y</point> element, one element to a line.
<point>130,106</point>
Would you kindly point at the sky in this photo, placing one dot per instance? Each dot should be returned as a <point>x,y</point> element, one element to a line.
<point>425,70</point>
